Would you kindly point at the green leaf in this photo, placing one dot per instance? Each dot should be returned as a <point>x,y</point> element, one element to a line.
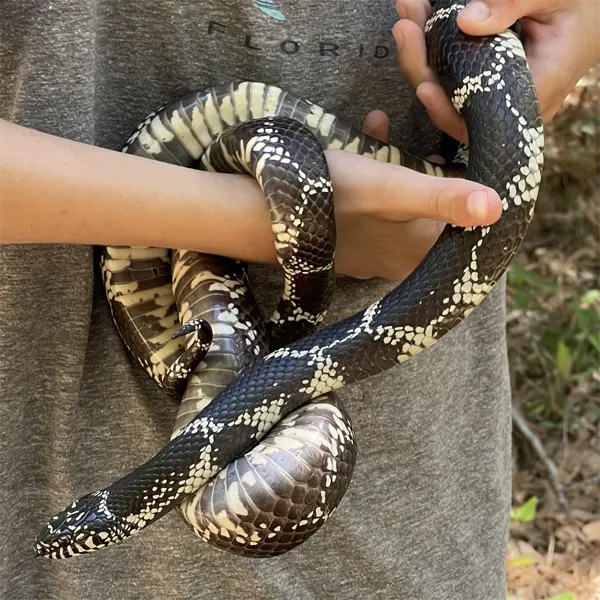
<point>590,298</point>
<point>519,275</point>
<point>588,129</point>
<point>563,359</point>
<point>521,561</point>
<point>525,512</point>
<point>522,298</point>
<point>564,596</point>
<point>594,340</point>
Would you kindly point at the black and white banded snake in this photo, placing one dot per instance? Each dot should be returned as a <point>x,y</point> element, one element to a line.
<point>283,386</point>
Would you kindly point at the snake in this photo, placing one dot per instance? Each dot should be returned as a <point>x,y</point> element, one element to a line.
<point>262,450</point>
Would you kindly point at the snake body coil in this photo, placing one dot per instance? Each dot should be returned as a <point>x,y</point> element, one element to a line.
<point>291,370</point>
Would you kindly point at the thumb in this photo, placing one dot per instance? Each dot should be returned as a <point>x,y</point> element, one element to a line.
<point>411,195</point>
<point>452,201</point>
<point>487,17</point>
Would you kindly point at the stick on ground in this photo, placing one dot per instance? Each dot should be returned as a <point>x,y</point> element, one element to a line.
<point>537,445</point>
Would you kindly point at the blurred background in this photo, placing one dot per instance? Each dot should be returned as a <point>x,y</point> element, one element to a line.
<point>554,347</point>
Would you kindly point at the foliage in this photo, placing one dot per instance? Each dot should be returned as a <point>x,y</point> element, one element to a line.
<point>553,329</point>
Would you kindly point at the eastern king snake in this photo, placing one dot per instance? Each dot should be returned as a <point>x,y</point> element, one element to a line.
<point>271,493</point>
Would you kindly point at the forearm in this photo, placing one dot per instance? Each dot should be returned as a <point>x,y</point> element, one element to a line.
<point>57,191</point>
<point>54,190</point>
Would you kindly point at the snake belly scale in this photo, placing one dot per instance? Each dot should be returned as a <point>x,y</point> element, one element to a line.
<point>489,83</point>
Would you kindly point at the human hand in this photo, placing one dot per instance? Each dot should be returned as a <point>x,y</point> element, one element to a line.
<point>388,217</point>
<point>561,44</point>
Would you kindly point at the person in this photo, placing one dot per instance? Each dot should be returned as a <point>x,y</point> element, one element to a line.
<point>426,515</point>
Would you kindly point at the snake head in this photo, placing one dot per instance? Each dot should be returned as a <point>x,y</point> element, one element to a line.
<point>84,526</point>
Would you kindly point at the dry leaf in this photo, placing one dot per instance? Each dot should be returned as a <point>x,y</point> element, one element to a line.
<point>592,531</point>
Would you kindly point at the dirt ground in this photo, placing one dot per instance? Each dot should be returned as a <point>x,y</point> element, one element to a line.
<point>554,345</point>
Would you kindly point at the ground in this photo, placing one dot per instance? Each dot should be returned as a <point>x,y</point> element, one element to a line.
<point>554,347</point>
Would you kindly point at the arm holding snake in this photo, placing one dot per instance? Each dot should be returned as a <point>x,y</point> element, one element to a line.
<point>55,190</point>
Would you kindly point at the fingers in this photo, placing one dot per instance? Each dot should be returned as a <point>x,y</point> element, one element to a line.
<point>377,125</point>
<point>437,159</point>
<point>560,50</point>
<point>441,112</point>
<point>457,201</point>
<point>412,60</point>
<point>485,17</point>
<point>561,40</point>
<point>433,198</point>
<point>555,74</point>
<point>392,193</point>
<point>412,52</point>
<point>553,45</point>
<point>417,11</point>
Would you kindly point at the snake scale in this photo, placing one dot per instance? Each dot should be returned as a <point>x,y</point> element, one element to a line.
<point>262,451</point>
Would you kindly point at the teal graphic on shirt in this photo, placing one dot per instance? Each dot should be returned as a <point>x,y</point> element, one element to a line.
<point>269,7</point>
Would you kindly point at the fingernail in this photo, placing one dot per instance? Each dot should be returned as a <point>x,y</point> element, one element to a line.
<point>402,12</point>
<point>477,11</point>
<point>477,206</point>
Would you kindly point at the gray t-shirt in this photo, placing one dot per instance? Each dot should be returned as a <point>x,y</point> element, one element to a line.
<point>426,515</point>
